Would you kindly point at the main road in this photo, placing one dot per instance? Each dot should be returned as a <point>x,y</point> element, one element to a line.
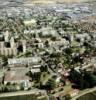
<point>84,92</point>
<point>20,93</point>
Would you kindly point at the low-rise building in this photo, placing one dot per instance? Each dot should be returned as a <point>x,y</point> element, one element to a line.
<point>31,22</point>
<point>61,42</point>
<point>33,71</point>
<point>24,61</point>
<point>16,76</point>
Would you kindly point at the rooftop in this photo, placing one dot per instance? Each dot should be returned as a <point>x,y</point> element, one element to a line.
<point>15,75</point>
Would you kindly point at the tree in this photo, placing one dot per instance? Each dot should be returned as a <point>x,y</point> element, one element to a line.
<point>75,77</point>
<point>68,51</point>
<point>36,77</point>
<point>51,84</point>
<point>67,97</point>
<point>28,53</point>
<point>44,68</point>
<point>4,60</point>
<point>47,43</point>
<point>90,78</point>
<point>53,38</point>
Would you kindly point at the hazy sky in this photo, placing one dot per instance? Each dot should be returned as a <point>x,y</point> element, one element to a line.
<point>63,0</point>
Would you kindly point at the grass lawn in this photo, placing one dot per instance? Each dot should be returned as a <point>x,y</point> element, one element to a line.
<point>65,90</point>
<point>44,77</point>
<point>2,71</point>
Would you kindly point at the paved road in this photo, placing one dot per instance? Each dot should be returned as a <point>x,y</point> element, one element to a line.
<point>84,67</point>
<point>20,93</point>
<point>84,92</point>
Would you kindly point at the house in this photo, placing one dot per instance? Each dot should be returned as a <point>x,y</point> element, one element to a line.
<point>48,31</point>
<point>30,22</point>
<point>36,66</point>
<point>82,37</point>
<point>38,42</point>
<point>74,92</point>
<point>33,71</point>
<point>61,42</point>
<point>57,78</point>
